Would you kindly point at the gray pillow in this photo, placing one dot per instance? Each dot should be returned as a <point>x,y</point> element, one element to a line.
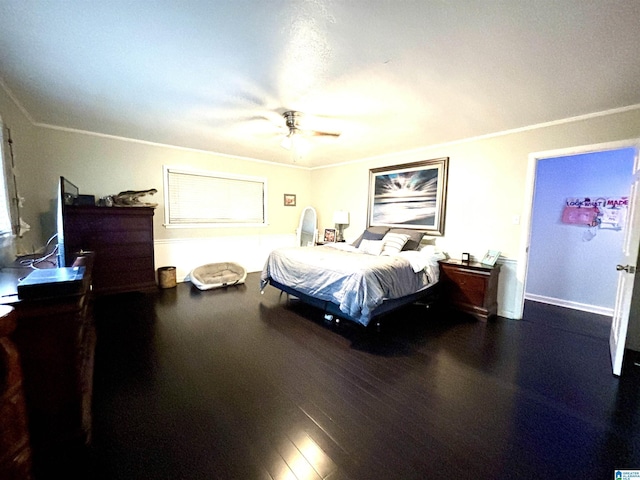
<point>415,237</point>
<point>371,233</point>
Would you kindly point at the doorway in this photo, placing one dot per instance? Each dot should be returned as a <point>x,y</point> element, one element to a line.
<point>557,246</point>
<point>569,259</point>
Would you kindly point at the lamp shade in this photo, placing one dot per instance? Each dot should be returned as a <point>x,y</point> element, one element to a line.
<point>341,217</point>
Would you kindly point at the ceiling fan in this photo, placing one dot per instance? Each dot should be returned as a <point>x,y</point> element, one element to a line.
<point>292,120</point>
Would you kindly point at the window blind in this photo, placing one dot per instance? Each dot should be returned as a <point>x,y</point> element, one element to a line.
<point>199,198</point>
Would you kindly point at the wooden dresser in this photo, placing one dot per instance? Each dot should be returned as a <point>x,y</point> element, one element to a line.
<point>54,339</point>
<point>122,241</point>
<point>470,287</point>
<point>15,450</point>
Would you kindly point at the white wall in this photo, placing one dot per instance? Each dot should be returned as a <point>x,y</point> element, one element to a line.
<point>567,266</point>
<point>103,166</point>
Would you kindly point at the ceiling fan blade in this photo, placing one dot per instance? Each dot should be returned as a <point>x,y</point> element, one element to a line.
<point>314,133</point>
<point>306,124</point>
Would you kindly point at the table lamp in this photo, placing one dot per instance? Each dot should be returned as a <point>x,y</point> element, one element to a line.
<point>340,218</point>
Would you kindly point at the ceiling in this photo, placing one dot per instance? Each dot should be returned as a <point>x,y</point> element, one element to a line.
<point>388,75</point>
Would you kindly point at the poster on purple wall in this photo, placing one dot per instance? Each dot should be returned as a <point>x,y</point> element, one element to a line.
<point>602,212</point>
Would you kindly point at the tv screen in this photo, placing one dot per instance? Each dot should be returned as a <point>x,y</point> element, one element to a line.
<point>67,195</point>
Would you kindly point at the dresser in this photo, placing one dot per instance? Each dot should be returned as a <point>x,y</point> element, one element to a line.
<point>54,338</point>
<point>470,287</point>
<point>15,450</point>
<point>122,241</point>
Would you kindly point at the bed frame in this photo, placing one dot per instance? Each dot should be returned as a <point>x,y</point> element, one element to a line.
<point>332,313</point>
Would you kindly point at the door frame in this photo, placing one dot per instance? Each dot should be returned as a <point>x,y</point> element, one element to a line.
<point>525,225</point>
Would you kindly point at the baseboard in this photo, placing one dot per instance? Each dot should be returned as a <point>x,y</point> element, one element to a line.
<point>569,304</point>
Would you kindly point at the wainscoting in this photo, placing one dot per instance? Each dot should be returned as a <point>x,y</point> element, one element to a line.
<point>250,251</point>
<point>507,289</point>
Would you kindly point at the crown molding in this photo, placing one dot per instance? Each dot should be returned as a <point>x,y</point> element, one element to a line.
<point>537,126</point>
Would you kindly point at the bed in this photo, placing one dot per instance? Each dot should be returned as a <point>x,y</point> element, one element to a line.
<point>381,271</point>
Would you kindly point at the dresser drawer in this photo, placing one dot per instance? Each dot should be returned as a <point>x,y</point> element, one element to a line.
<point>467,287</point>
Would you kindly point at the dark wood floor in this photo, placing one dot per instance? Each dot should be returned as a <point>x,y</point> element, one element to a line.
<point>229,384</point>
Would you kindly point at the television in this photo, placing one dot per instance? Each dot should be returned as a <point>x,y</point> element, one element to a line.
<point>67,195</point>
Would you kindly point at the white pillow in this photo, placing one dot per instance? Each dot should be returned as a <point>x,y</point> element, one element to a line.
<point>433,252</point>
<point>393,243</point>
<point>371,247</point>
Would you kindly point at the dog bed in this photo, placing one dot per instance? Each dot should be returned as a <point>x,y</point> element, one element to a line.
<point>216,275</point>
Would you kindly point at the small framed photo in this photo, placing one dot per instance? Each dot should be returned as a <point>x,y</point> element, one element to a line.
<point>329,235</point>
<point>466,257</point>
<point>491,257</point>
<point>289,200</point>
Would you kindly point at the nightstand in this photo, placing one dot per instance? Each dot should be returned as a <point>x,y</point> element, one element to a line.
<point>470,287</point>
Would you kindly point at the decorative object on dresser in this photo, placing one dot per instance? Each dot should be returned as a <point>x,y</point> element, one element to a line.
<point>131,198</point>
<point>470,287</point>
<point>122,240</point>
<point>490,258</point>
<point>329,235</point>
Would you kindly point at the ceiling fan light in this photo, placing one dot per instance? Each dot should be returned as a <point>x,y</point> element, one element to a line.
<point>300,144</point>
<point>286,142</point>
<point>296,140</point>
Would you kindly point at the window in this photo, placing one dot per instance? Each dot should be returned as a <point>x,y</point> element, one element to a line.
<point>197,198</point>
<point>6,227</point>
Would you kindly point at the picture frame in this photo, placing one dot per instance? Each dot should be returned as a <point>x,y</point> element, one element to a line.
<point>410,195</point>
<point>466,258</point>
<point>329,235</point>
<point>289,200</point>
<point>490,258</point>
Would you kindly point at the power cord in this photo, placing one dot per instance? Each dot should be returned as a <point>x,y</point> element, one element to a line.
<point>34,262</point>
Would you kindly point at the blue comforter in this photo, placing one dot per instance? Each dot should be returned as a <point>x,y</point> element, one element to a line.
<point>355,281</point>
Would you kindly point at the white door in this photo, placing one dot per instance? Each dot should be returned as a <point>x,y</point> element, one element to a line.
<point>626,275</point>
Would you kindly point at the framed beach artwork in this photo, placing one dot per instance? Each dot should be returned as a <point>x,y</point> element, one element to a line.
<point>412,195</point>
